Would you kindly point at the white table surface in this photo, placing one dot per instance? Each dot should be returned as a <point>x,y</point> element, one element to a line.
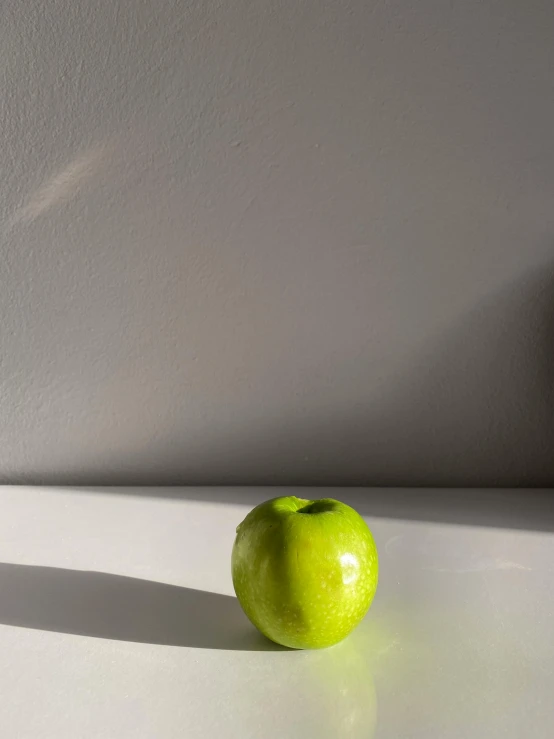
<point>117,620</point>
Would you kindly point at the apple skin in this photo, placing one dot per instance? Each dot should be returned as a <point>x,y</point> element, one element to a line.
<point>305,572</point>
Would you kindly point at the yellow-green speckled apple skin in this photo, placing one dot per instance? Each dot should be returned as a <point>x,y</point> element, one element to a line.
<point>305,572</point>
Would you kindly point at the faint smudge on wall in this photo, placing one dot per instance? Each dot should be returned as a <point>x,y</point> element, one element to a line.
<point>62,186</point>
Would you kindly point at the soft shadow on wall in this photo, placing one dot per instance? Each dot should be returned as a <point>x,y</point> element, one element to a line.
<point>474,408</point>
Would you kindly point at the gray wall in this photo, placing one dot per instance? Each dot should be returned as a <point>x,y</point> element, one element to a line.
<point>260,241</point>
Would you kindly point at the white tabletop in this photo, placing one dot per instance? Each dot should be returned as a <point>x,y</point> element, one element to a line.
<point>118,620</point>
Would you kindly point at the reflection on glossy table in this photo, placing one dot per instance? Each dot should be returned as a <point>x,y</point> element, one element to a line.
<point>117,619</point>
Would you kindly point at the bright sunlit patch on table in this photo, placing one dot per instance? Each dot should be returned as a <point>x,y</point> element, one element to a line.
<point>117,619</point>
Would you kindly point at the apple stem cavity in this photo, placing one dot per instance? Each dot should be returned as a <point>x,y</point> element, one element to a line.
<point>316,506</point>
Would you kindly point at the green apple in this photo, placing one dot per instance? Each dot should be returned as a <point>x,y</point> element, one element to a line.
<point>304,571</point>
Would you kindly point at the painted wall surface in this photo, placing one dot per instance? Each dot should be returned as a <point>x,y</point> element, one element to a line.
<point>277,241</point>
